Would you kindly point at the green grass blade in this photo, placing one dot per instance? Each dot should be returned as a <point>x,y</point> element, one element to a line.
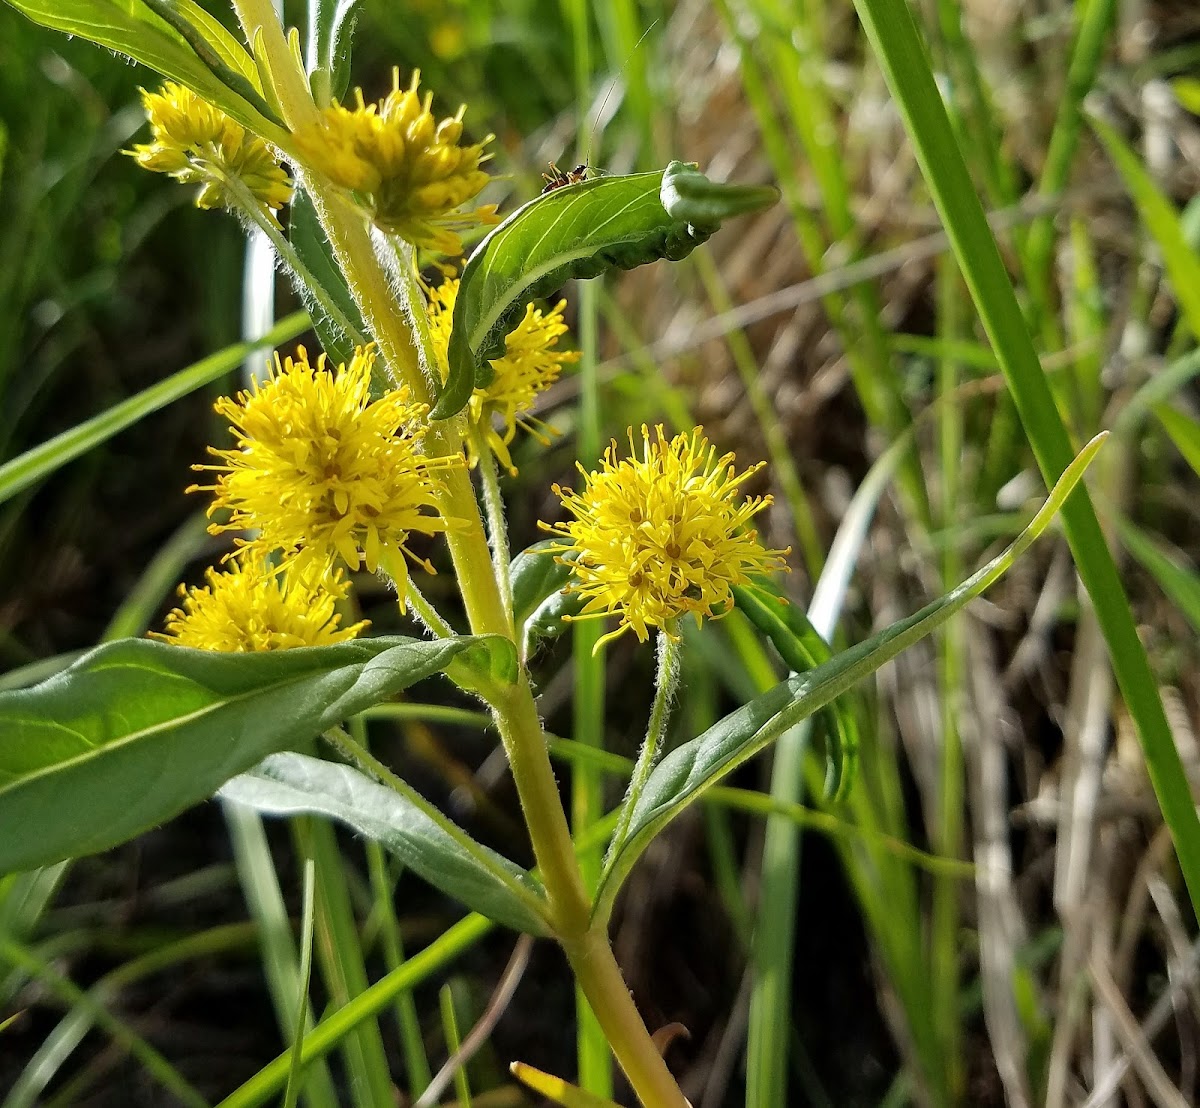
<point>15,954</point>
<point>1184,432</point>
<point>770,1029</point>
<point>265,1084</point>
<point>296,1073</point>
<point>1180,582</point>
<point>1095,21</point>
<point>897,44</point>
<point>34,465</point>
<point>1161,220</point>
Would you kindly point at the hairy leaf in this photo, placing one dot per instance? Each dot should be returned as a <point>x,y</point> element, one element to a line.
<point>580,230</point>
<point>132,28</point>
<point>290,784</point>
<point>308,238</point>
<point>539,602</point>
<point>136,731</point>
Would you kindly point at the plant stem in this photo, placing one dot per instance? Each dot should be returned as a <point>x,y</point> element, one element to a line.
<point>569,907</point>
<point>493,504</point>
<point>670,651</point>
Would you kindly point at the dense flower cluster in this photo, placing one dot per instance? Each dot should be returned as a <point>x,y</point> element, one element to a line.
<point>252,606</point>
<point>322,472</point>
<point>664,535</point>
<point>531,363</point>
<point>199,144</point>
<point>407,168</point>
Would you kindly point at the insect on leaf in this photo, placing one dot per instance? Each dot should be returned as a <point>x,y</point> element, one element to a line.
<point>577,231</point>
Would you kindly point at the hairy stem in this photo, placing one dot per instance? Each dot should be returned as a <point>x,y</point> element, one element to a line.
<point>375,291</point>
<point>670,650</point>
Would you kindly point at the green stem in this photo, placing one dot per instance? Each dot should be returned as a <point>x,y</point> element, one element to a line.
<point>360,756</point>
<point>666,682</point>
<point>287,252</point>
<point>569,907</point>
<point>493,504</point>
<point>392,563</point>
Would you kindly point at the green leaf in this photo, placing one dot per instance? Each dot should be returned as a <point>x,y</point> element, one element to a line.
<point>131,28</point>
<point>539,602</point>
<point>578,231</point>
<point>136,731</point>
<point>291,784</point>
<point>680,778</point>
<point>1178,580</point>
<point>1187,92</point>
<point>312,247</point>
<point>34,465</point>
<point>901,51</point>
<point>802,649</point>
<point>330,27</point>
<point>1161,220</point>
<point>1184,432</point>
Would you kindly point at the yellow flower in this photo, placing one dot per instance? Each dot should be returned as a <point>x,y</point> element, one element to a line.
<point>660,536</point>
<point>322,472</point>
<point>195,142</point>
<point>409,170</point>
<point>253,606</point>
<point>530,364</point>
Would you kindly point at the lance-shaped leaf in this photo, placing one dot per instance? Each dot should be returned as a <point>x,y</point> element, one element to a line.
<point>687,771</point>
<point>132,28</point>
<point>581,230</point>
<point>136,731</point>
<point>422,838</point>
<point>802,649</point>
<point>338,337</point>
<point>539,603</point>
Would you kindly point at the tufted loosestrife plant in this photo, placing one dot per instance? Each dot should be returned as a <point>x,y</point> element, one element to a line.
<point>401,431</point>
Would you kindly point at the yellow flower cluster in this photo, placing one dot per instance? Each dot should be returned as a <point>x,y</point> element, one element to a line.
<point>322,472</point>
<point>664,535</point>
<point>531,363</point>
<point>408,169</point>
<point>252,606</point>
<point>197,143</point>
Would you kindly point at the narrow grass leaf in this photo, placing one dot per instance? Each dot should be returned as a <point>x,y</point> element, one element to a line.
<point>1161,220</point>
<point>295,1076</point>
<point>136,731</point>
<point>897,44</point>
<point>1180,582</point>
<point>1184,432</point>
<point>687,771</point>
<point>556,1089</point>
<point>36,464</point>
<point>265,1084</point>
<point>578,231</point>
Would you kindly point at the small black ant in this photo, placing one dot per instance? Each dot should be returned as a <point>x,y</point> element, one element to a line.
<point>560,178</point>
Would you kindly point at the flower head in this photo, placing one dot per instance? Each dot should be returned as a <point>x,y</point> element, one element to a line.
<point>530,364</point>
<point>195,142</point>
<point>253,606</point>
<point>409,170</point>
<point>663,535</point>
<point>323,472</point>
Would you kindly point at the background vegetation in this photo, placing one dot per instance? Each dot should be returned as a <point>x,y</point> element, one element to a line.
<point>997,915</point>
